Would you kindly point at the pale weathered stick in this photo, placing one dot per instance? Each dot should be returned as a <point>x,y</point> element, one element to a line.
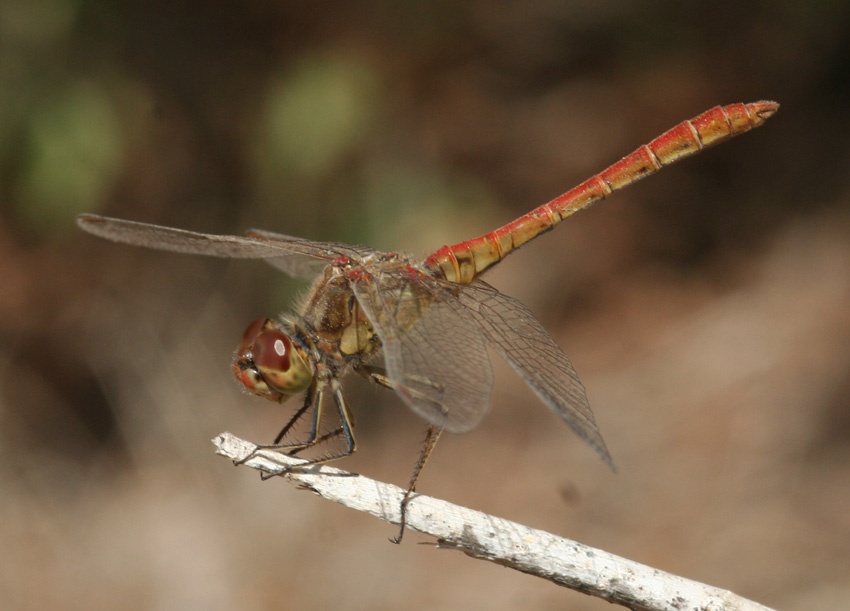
<point>479,535</point>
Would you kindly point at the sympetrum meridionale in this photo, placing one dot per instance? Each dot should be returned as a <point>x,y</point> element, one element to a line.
<point>432,320</point>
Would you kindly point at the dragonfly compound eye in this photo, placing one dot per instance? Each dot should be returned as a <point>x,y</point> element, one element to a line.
<point>253,330</point>
<point>268,364</point>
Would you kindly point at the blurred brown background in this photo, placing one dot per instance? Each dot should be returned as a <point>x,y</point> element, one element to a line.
<point>705,308</point>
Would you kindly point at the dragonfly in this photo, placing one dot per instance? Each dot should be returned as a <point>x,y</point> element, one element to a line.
<point>420,327</point>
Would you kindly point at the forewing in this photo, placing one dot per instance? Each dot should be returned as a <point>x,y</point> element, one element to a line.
<point>434,352</point>
<point>335,249</point>
<point>291,255</point>
<point>523,342</point>
<point>302,267</point>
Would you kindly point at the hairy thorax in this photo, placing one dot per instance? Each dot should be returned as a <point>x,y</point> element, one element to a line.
<point>340,328</point>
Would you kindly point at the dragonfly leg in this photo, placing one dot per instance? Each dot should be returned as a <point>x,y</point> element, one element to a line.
<point>345,429</point>
<point>334,433</point>
<point>314,397</point>
<point>431,438</point>
<point>379,376</point>
<point>308,401</point>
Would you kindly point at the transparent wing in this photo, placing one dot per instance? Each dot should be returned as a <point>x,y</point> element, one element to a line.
<point>355,251</point>
<point>301,267</point>
<point>521,340</point>
<point>291,255</point>
<point>434,353</point>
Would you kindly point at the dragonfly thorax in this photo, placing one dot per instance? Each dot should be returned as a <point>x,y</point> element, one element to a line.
<point>268,363</point>
<point>336,323</point>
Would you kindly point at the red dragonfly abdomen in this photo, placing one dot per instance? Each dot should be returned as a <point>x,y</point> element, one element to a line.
<point>463,262</point>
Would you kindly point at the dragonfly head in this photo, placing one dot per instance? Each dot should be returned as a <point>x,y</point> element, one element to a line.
<point>269,364</point>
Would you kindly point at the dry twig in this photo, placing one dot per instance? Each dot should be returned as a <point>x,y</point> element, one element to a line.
<point>519,547</point>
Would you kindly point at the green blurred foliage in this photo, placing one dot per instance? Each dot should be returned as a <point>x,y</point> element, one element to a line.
<point>36,24</point>
<point>73,154</point>
<point>314,113</point>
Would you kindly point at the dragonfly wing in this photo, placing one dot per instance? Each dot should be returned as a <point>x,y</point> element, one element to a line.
<point>354,251</point>
<point>298,266</point>
<point>521,340</point>
<point>301,267</point>
<point>434,353</point>
<point>288,255</point>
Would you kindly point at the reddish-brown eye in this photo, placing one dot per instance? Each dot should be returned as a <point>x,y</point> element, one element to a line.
<point>268,364</point>
<point>272,352</point>
<point>251,333</point>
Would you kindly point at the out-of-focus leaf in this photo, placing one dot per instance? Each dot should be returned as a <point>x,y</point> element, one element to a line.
<point>73,150</point>
<point>312,116</point>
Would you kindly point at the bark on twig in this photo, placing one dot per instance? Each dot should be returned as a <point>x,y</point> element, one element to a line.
<point>519,547</point>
